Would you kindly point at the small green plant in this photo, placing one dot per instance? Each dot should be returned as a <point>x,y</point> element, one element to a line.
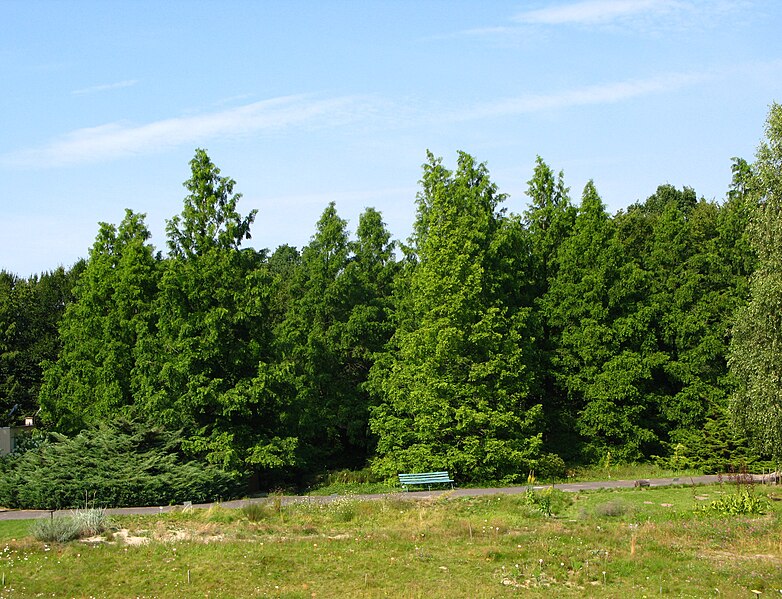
<point>542,500</point>
<point>607,461</point>
<point>744,502</point>
<point>275,503</point>
<point>344,510</point>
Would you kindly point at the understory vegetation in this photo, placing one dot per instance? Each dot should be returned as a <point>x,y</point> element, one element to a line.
<point>634,543</point>
<point>494,344</point>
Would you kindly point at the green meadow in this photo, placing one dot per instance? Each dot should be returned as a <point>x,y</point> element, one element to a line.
<point>676,542</point>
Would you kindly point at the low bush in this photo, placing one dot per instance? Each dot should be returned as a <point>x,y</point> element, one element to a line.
<point>551,467</point>
<point>56,530</point>
<point>118,464</point>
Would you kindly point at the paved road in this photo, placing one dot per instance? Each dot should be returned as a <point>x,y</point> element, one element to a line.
<point>571,487</point>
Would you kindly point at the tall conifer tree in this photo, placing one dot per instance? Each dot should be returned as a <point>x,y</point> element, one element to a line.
<point>454,389</point>
<point>94,377</point>
<point>756,346</point>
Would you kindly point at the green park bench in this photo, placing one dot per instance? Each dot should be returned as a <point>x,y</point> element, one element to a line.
<point>425,478</point>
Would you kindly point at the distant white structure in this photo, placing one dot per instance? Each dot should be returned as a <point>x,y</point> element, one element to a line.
<point>9,434</point>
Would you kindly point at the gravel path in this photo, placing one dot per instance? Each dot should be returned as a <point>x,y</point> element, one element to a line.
<point>288,499</point>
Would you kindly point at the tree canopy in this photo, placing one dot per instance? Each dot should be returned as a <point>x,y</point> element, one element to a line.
<point>496,344</point>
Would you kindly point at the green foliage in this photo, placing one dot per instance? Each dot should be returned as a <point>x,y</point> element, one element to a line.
<point>743,502</point>
<point>755,350</point>
<point>206,370</point>
<point>353,482</point>
<point>541,500</point>
<point>209,219</point>
<point>30,312</point>
<point>499,345</point>
<point>598,369</point>
<point>115,464</point>
<point>551,467</point>
<point>336,322</point>
<point>93,378</point>
<point>718,447</point>
<point>453,390</point>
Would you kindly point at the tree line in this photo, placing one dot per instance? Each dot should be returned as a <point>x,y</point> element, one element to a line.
<point>489,343</point>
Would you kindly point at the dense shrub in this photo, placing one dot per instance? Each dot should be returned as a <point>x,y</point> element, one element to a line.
<point>551,467</point>
<point>118,464</point>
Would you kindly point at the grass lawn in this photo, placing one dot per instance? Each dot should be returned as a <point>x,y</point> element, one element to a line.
<point>628,543</point>
<point>13,529</point>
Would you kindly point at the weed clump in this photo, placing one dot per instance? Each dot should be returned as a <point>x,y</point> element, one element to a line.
<point>255,512</point>
<point>610,509</point>
<point>548,501</point>
<point>742,503</point>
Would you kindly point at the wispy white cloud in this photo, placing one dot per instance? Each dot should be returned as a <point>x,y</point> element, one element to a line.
<point>590,12</point>
<point>608,93</point>
<point>105,87</point>
<point>114,140</point>
<point>645,17</point>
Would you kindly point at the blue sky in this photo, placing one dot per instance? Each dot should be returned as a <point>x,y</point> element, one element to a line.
<point>303,103</point>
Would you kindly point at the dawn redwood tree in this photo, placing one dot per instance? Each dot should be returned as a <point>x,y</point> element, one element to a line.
<point>582,303</point>
<point>549,221</point>
<point>92,379</point>
<point>370,276</point>
<point>306,343</point>
<point>336,322</point>
<point>755,356</point>
<point>718,445</point>
<point>198,372</point>
<point>454,389</point>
